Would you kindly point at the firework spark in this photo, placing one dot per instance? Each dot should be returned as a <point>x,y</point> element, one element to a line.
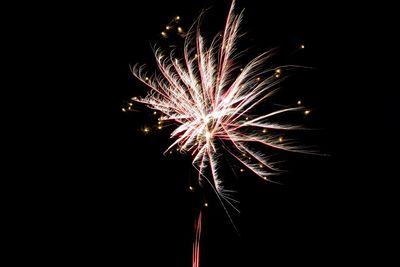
<point>212,101</point>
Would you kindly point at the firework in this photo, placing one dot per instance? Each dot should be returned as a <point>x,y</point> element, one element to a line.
<point>209,102</point>
<point>212,102</point>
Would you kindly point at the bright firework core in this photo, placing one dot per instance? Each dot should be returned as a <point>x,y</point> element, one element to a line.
<point>208,126</point>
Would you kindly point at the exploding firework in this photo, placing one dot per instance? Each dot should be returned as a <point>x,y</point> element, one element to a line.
<point>212,102</point>
<point>211,105</point>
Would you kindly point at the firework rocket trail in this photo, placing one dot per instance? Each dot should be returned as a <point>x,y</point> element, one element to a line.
<point>196,243</point>
<point>212,104</point>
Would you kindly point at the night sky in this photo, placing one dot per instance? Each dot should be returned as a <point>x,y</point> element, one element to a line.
<point>108,195</point>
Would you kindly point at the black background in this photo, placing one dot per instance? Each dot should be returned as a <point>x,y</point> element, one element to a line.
<point>102,192</point>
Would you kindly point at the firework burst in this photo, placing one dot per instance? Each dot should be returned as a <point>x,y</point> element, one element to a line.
<point>212,103</point>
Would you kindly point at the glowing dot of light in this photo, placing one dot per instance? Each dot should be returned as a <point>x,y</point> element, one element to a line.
<point>280,139</point>
<point>159,127</point>
<point>180,29</point>
<point>264,130</point>
<point>191,188</point>
<point>302,46</point>
<point>299,102</point>
<point>123,110</point>
<point>206,204</point>
<point>241,170</point>
<point>155,113</point>
<point>164,34</point>
<point>277,73</point>
<point>307,112</point>
<point>146,130</point>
